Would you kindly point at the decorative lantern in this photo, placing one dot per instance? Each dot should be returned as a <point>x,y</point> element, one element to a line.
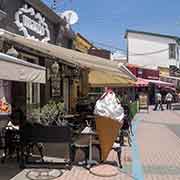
<point>55,68</point>
<point>76,72</point>
<point>12,52</point>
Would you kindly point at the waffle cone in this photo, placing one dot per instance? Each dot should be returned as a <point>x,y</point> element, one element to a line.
<point>107,130</point>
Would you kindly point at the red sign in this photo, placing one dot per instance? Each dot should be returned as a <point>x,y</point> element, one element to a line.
<point>144,73</point>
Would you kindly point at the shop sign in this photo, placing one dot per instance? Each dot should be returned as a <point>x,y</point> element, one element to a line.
<point>55,86</point>
<point>28,20</point>
<point>55,80</point>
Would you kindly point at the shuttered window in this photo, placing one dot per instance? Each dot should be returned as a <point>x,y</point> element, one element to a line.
<point>172,51</point>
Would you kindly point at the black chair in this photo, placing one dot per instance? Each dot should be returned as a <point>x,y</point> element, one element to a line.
<point>35,134</point>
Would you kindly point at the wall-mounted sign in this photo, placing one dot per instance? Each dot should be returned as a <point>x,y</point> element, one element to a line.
<point>55,86</point>
<point>30,22</point>
<point>55,80</point>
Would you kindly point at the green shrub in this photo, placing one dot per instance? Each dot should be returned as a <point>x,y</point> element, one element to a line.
<point>48,113</point>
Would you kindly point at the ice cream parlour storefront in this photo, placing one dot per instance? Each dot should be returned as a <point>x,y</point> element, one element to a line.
<point>15,74</point>
<point>63,75</point>
<point>34,20</point>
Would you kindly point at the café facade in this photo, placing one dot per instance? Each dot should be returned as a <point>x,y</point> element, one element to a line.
<point>35,21</point>
<point>34,33</point>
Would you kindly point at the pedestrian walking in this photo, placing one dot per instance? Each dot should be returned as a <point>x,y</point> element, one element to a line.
<point>158,101</point>
<point>168,99</point>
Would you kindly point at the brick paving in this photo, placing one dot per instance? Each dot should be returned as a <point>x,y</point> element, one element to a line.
<point>158,140</point>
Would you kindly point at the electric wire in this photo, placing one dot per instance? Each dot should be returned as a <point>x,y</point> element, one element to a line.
<point>131,53</point>
<point>112,48</point>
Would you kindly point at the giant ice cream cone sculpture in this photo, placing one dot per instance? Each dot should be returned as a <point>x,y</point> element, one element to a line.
<point>107,130</point>
<point>109,115</point>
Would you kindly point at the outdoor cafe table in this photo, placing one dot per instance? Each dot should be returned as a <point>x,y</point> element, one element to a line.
<point>70,116</point>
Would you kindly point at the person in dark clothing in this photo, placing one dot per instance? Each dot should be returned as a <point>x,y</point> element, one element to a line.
<point>169,98</point>
<point>17,116</point>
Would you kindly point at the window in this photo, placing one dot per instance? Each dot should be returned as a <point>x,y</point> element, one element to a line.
<point>172,51</point>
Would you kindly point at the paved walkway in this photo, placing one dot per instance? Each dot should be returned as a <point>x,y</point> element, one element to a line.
<point>155,152</point>
<point>158,137</point>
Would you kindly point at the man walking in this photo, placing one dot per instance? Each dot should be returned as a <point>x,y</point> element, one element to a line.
<point>158,101</point>
<point>169,99</point>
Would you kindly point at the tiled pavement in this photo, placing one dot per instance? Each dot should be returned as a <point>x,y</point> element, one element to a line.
<point>80,173</point>
<point>158,137</point>
<point>158,142</point>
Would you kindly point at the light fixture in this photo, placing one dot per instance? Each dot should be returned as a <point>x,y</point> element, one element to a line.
<point>76,72</point>
<point>12,52</point>
<point>55,68</point>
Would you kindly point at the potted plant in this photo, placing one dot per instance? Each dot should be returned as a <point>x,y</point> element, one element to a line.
<point>46,126</point>
<point>49,114</point>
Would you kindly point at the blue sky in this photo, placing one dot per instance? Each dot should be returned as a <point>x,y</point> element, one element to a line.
<point>106,21</point>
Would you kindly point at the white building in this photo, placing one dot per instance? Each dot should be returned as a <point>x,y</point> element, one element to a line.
<point>152,50</point>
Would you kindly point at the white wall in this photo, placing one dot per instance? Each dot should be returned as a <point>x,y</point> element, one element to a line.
<point>140,44</point>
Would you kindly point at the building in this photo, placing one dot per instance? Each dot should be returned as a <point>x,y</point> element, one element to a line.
<point>22,17</point>
<point>35,21</point>
<point>152,50</point>
<point>145,73</point>
<point>104,53</point>
<point>81,44</point>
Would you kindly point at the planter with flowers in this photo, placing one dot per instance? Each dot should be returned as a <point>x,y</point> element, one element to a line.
<point>46,126</point>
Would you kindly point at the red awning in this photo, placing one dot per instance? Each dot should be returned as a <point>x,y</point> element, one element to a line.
<point>167,88</point>
<point>141,82</point>
<point>145,82</point>
<point>160,83</point>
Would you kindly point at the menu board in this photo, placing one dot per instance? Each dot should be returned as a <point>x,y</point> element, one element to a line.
<point>55,86</point>
<point>143,101</point>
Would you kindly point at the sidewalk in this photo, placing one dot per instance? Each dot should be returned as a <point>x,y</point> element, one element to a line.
<point>155,151</point>
<point>158,137</point>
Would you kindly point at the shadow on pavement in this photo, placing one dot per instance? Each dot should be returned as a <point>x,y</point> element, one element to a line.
<point>9,169</point>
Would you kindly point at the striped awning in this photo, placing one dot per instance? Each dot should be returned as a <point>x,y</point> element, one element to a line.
<point>141,82</point>
<point>14,69</point>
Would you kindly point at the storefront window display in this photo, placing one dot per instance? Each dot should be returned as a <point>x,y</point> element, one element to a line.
<point>5,97</point>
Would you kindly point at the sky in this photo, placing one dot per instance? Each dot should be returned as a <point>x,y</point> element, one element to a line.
<point>105,22</point>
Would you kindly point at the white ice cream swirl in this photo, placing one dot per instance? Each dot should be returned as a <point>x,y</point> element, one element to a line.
<point>109,106</point>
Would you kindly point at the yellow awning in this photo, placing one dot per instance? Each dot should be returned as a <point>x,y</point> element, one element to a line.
<point>102,79</point>
<point>163,71</point>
